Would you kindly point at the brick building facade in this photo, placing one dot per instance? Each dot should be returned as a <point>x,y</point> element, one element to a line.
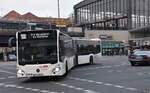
<point>33,18</point>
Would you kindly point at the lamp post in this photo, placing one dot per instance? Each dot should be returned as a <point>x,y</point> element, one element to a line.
<point>58,9</point>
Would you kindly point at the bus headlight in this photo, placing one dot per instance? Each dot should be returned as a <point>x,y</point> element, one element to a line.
<point>21,72</point>
<point>55,70</point>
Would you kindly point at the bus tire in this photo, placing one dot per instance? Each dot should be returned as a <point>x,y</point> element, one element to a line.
<point>91,60</point>
<point>66,69</point>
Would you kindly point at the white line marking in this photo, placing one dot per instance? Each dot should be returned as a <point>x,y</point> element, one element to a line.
<point>13,86</point>
<point>44,91</point>
<point>106,84</point>
<point>118,86</point>
<point>28,88</point>
<point>133,89</point>
<point>90,91</point>
<point>80,89</point>
<point>76,88</point>
<point>91,81</point>
<point>99,83</point>
<point>70,86</point>
<point>19,87</point>
<point>7,72</point>
<point>12,77</point>
<point>35,89</point>
<point>1,84</point>
<point>2,78</point>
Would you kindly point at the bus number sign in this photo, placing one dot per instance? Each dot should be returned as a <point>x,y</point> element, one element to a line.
<point>39,35</point>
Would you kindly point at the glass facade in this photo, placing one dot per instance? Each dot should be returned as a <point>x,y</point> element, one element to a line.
<point>112,14</point>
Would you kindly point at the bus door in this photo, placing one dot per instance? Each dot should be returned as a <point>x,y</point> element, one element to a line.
<point>83,55</point>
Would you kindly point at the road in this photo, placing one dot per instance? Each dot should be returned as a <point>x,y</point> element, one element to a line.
<point>110,75</point>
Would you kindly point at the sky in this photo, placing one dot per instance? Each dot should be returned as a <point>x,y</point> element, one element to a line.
<point>41,8</point>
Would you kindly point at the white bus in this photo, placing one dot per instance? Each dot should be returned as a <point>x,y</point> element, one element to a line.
<point>87,51</point>
<point>44,53</point>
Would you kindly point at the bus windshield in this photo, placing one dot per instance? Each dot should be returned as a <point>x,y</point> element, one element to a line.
<point>37,51</point>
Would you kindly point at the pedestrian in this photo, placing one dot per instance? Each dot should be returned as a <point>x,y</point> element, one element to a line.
<point>111,52</point>
<point>128,51</point>
<point>120,51</point>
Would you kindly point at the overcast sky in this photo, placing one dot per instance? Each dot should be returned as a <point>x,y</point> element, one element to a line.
<point>41,8</point>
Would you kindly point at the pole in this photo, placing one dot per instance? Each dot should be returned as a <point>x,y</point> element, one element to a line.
<point>58,9</point>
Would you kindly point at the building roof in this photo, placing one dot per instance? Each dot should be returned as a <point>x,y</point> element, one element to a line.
<point>12,15</point>
<point>31,17</point>
<point>82,3</point>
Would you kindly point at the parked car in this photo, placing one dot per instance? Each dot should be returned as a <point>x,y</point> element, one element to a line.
<point>12,57</point>
<point>139,57</point>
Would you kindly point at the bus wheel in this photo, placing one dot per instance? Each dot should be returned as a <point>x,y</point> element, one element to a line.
<point>66,73</point>
<point>91,60</point>
<point>75,62</point>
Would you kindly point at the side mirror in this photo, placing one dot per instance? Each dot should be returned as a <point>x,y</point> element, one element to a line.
<point>12,42</point>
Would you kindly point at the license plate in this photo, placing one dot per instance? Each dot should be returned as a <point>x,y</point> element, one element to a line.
<point>139,57</point>
<point>33,75</point>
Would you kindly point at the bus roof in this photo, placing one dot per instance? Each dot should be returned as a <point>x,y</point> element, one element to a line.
<point>26,31</point>
<point>85,39</point>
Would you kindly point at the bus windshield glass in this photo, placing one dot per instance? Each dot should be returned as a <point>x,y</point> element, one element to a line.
<point>37,51</point>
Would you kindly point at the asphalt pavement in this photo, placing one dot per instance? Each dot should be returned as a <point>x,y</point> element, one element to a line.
<point>111,75</point>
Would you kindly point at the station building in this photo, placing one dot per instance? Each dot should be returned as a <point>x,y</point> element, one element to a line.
<point>115,20</point>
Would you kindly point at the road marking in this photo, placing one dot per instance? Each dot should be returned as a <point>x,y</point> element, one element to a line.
<point>108,84</point>
<point>99,83</point>
<point>103,83</point>
<point>93,68</point>
<point>2,78</point>
<point>35,90</point>
<point>44,91</point>
<point>90,73</point>
<point>133,89</point>
<point>7,72</point>
<point>1,84</point>
<point>29,89</point>
<point>76,88</point>
<point>12,77</point>
<point>118,86</point>
<point>19,87</point>
<point>11,85</point>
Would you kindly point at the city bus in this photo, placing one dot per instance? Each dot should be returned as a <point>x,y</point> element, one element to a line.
<point>88,51</point>
<point>44,53</point>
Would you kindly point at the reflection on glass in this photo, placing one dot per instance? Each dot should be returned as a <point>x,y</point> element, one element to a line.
<point>38,52</point>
